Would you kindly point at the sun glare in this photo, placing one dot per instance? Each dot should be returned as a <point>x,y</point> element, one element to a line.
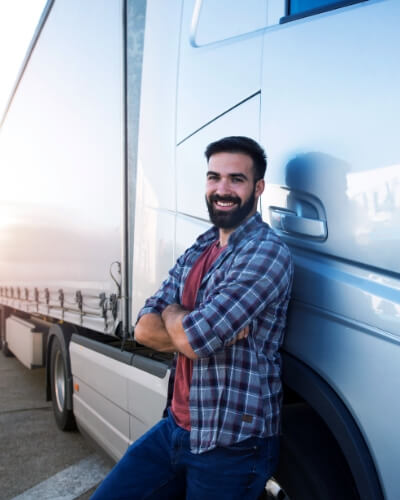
<point>18,21</point>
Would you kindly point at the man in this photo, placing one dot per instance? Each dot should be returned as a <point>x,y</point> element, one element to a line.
<point>223,310</point>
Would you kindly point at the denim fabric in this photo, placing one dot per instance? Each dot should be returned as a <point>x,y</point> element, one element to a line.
<point>161,466</point>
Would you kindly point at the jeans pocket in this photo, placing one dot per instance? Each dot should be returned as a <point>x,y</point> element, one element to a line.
<point>250,445</point>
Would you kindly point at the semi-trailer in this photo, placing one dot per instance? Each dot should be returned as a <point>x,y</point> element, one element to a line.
<point>102,174</point>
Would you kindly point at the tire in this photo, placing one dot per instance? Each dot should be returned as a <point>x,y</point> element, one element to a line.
<point>59,378</point>
<point>312,466</point>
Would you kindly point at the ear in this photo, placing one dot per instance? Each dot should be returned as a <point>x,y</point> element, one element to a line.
<point>260,186</point>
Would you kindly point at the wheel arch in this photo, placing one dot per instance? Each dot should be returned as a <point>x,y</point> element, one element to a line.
<point>63,333</point>
<point>316,392</point>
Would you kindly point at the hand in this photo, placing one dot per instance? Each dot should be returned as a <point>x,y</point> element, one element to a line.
<point>243,334</point>
<point>171,311</point>
<point>172,317</point>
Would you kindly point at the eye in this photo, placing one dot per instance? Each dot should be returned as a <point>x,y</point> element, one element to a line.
<point>237,180</point>
<point>211,177</point>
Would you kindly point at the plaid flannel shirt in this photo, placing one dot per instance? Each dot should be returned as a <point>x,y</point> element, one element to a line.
<point>236,390</point>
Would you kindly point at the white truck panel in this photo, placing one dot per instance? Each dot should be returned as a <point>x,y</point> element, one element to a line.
<point>101,419</point>
<point>24,342</point>
<point>213,78</point>
<point>191,164</point>
<point>154,253</point>
<point>156,154</point>
<point>115,400</point>
<point>61,157</point>
<point>156,192</point>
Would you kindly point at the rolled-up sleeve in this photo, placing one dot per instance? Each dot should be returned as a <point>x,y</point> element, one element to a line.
<point>259,275</point>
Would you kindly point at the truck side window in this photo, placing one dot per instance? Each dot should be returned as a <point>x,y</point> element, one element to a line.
<point>302,8</point>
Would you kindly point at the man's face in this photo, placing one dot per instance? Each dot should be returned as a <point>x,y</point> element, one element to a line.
<point>231,193</point>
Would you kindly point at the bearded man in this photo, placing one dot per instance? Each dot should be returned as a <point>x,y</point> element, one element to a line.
<point>222,309</point>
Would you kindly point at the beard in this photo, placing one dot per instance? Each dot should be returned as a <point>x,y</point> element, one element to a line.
<point>232,219</point>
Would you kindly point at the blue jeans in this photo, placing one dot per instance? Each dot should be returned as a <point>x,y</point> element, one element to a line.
<point>161,466</point>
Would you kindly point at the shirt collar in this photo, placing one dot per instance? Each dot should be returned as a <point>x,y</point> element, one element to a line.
<point>245,229</point>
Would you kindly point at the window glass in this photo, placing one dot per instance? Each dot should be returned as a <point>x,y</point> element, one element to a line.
<point>298,6</point>
<point>301,8</point>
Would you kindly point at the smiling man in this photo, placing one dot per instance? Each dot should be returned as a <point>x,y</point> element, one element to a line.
<point>223,311</point>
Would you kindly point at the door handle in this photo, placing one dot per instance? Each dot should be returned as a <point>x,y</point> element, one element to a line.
<point>290,222</point>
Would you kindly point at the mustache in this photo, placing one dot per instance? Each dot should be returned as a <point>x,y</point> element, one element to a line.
<point>233,199</point>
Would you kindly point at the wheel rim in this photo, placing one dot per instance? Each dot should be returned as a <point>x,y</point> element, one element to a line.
<point>59,381</point>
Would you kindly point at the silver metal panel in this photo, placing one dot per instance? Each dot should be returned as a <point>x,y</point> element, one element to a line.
<point>362,364</point>
<point>188,230</point>
<point>154,253</point>
<point>215,77</point>
<point>134,35</point>
<point>155,195</point>
<point>192,165</point>
<point>219,21</point>
<point>329,120</point>
<point>61,153</point>
<point>156,153</point>
<point>276,10</point>
<point>330,111</point>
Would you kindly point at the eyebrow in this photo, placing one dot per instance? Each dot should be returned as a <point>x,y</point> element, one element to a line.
<point>234,175</point>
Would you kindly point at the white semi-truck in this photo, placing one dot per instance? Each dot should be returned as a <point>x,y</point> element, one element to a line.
<point>101,189</point>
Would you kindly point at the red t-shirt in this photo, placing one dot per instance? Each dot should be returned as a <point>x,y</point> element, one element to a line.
<point>184,366</point>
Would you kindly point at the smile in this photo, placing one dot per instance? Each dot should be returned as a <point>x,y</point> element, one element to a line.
<point>225,203</point>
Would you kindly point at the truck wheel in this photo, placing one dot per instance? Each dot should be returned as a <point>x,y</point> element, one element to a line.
<point>58,384</point>
<point>312,466</point>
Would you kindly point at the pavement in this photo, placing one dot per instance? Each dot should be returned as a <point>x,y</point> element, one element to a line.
<point>37,460</point>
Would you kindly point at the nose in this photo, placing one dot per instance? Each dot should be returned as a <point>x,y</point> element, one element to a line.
<point>223,187</point>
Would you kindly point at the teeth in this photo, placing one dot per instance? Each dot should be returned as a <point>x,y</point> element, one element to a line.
<point>225,203</point>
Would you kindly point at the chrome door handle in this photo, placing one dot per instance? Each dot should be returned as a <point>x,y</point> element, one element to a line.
<point>290,222</point>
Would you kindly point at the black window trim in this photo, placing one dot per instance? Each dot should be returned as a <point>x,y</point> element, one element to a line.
<point>317,10</point>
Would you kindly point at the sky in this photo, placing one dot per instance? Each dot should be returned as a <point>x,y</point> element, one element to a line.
<point>18,20</point>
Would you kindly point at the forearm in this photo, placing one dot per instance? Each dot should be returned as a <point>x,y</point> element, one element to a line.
<point>165,333</point>
<point>151,332</point>
<point>172,317</point>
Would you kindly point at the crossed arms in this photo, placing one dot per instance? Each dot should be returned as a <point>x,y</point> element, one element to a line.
<point>165,332</point>
<point>259,275</point>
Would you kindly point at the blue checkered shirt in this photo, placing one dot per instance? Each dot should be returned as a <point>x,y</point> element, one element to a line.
<point>235,391</point>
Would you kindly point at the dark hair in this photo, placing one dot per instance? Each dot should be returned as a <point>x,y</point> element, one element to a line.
<point>244,145</point>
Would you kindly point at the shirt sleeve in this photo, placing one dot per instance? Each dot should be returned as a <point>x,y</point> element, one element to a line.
<point>260,273</point>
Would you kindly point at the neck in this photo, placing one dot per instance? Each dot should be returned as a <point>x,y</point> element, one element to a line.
<point>224,236</point>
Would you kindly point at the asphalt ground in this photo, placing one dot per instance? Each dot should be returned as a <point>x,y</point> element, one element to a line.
<point>37,460</point>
